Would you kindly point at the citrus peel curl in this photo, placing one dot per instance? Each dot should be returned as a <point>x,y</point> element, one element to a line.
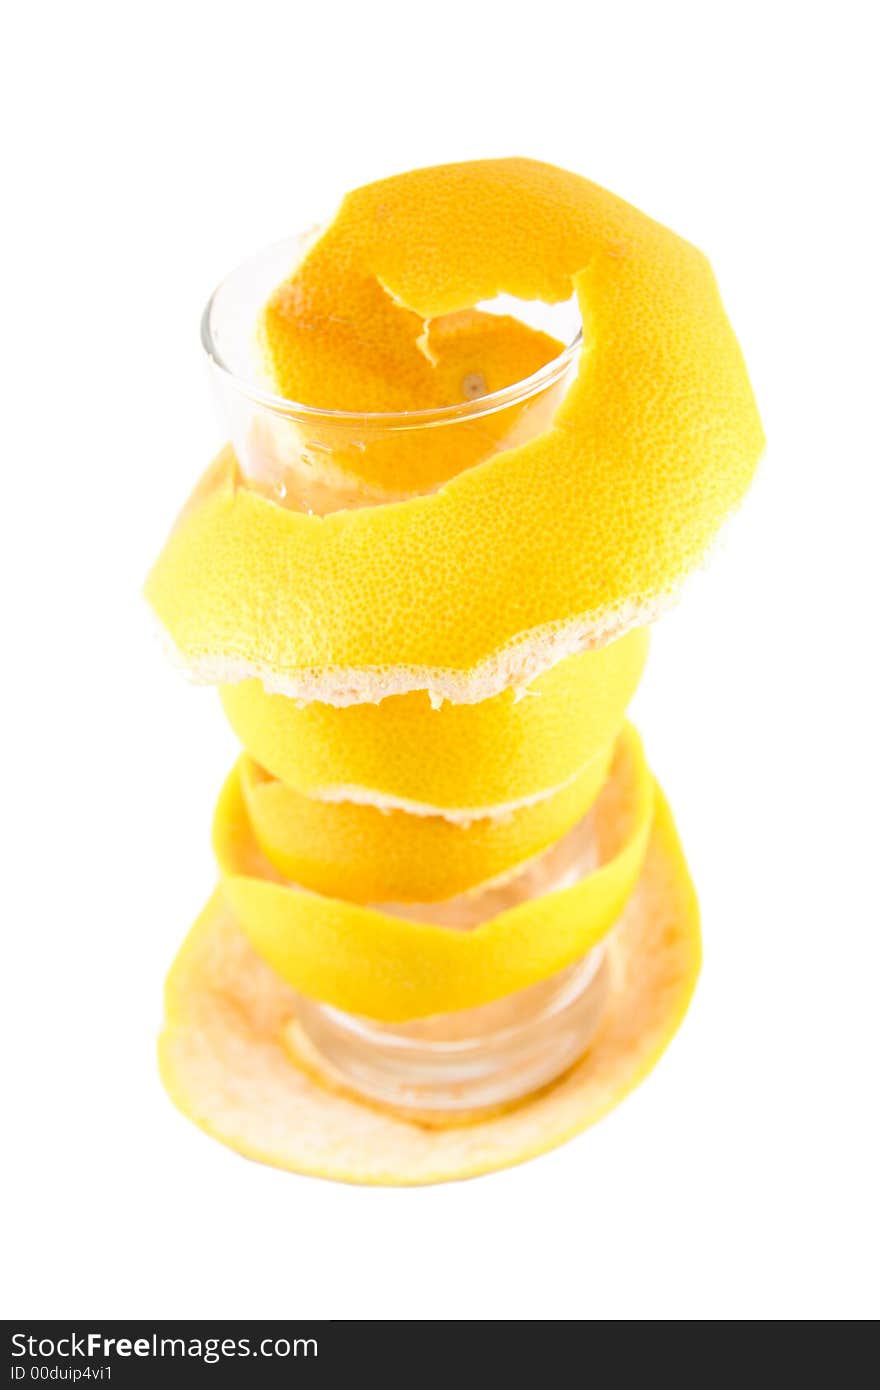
<point>536,552</point>
<point>383,966</point>
<point>364,854</point>
<point>229,1042</point>
<point>501,554</point>
<point>458,761</point>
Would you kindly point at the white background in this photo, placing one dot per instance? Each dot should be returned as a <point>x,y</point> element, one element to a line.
<point>152,148</point>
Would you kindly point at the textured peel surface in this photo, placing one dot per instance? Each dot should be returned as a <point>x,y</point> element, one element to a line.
<point>538,551</point>
<point>464,760</point>
<point>370,962</point>
<point>344,461</point>
<point>335,339</point>
<point>367,855</point>
<point>225,1052</point>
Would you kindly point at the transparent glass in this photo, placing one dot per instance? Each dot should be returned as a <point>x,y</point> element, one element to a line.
<point>489,1055</point>
<point>323,460</point>
<point>476,1059</point>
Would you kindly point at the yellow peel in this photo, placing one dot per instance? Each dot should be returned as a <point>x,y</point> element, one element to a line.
<point>369,962</point>
<point>457,357</point>
<point>366,855</point>
<point>460,760</point>
<point>335,338</point>
<point>534,553</point>
<point>225,1059</point>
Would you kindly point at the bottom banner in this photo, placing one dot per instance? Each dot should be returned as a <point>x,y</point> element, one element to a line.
<point>121,1354</point>
<point>140,1353</point>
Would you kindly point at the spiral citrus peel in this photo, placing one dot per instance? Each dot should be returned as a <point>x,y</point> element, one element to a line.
<point>431,691</point>
<point>386,967</point>
<point>459,761</point>
<point>230,1030</point>
<point>364,854</point>
<point>564,542</point>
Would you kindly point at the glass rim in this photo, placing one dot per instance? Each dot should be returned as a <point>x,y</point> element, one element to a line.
<point>513,394</point>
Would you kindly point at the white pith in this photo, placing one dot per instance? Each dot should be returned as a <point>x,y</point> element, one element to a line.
<point>463,816</point>
<point>528,656</point>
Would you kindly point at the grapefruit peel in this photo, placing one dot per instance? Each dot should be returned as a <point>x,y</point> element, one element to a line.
<point>458,761</point>
<point>532,554</point>
<point>365,854</point>
<point>383,966</point>
<point>231,1060</point>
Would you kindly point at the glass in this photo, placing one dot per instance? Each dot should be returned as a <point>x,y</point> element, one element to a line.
<point>324,460</point>
<point>471,1060</point>
<point>484,1056</point>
